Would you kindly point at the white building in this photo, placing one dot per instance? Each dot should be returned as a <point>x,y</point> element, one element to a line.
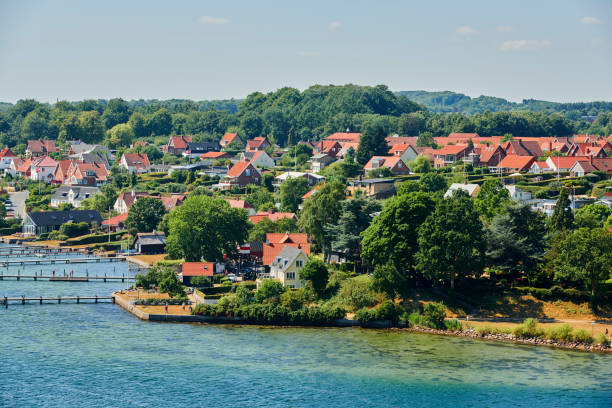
<point>287,265</point>
<point>471,189</point>
<point>43,169</point>
<point>518,195</point>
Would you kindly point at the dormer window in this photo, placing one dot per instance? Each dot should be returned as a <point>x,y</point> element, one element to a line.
<point>247,172</point>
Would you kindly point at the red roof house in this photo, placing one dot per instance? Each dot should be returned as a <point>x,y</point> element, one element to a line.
<point>393,163</point>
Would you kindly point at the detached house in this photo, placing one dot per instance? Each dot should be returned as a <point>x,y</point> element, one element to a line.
<point>230,138</point>
<point>36,223</point>
<point>404,151</point>
<point>135,162</point>
<point>286,267</point>
<point>86,174</point>
<point>258,158</point>
<point>190,270</point>
<point>73,195</point>
<point>319,161</point>
<point>177,145</point>
<point>37,148</point>
<point>43,169</point>
<point>562,163</point>
<point>150,242</point>
<point>329,147</point>
<point>471,189</point>
<point>6,157</point>
<point>195,150</point>
<point>449,154</point>
<point>583,167</point>
<point>257,144</point>
<point>513,163</point>
<point>241,174</point>
<point>393,163</point>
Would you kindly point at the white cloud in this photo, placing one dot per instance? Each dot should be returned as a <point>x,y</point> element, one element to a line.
<point>308,53</point>
<point>465,30</point>
<point>214,20</point>
<point>524,45</point>
<point>590,20</point>
<point>334,25</point>
<point>505,29</point>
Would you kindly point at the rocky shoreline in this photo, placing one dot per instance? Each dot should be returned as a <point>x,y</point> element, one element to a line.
<point>510,338</point>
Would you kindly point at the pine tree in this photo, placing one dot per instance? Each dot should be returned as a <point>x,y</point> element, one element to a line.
<point>562,218</point>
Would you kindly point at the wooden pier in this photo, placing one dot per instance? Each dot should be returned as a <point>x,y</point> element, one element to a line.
<point>66,277</point>
<point>42,299</point>
<point>50,261</point>
<point>24,250</point>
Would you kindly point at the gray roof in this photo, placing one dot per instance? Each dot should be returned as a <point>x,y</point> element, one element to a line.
<point>55,218</point>
<point>152,238</point>
<point>286,257</point>
<point>79,193</point>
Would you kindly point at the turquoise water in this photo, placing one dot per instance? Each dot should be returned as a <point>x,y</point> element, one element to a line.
<point>100,356</point>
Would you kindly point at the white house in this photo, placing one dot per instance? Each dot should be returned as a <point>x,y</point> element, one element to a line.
<point>518,195</point>
<point>311,177</point>
<point>258,158</point>
<point>404,151</point>
<point>72,195</point>
<point>135,162</point>
<point>286,266</point>
<point>6,158</point>
<point>471,189</point>
<point>43,169</point>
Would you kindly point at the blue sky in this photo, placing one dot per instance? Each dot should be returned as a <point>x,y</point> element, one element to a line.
<point>72,50</point>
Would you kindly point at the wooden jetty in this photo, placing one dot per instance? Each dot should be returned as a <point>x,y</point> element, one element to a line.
<point>58,299</point>
<point>25,250</point>
<point>66,277</point>
<point>50,261</point>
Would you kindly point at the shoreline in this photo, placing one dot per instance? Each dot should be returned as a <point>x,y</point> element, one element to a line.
<point>343,323</point>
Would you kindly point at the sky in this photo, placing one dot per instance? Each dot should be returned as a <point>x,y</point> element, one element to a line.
<point>558,50</point>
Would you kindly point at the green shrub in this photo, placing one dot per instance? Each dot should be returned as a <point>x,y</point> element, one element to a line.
<point>72,229</point>
<point>453,325</point>
<point>417,319</point>
<point>269,289</point>
<point>434,314</point>
<point>602,339</point>
<point>293,299</point>
<point>529,329</point>
<point>356,293</point>
<point>95,238</point>
<point>389,310</point>
<point>582,336</point>
<point>560,333</point>
<point>365,316</point>
<point>201,282</point>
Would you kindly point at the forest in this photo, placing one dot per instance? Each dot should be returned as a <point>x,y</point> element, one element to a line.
<point>285,116</point>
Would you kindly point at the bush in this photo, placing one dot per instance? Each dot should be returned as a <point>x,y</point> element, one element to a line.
<point>56,235</point>
<point>602,339</point>
<point>269,289</point>
<point>582,336</point>
<point>356,293</point>
<point>72,229</point>
<point>560,333</point>
<point>529,329</point>
<point>200,281</point>
<point>387,310</point>
<point>434,314</point>
<point>365,316</point>
<point>453,325</point>
<point>293,299</point>
<point>95,238</point>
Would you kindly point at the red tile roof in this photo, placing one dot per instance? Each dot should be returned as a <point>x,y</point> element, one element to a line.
<point>565,162</point>
<point>236,203</point>
<point>282,238</point>
<point>387,161</point>
<point>213,155</point>
<point>257,142</point>
<point>44,161</point>
<point>517,163</point>
<point>272,216</point>
<point>451,149</point>
<point>6,152</point>
<point>463,135</point>
<point>117,220</point>
<point>399,149</point>
<point>270,251</point>
<point>42,146</point>
<point>238,168</point>
<point>179,142</point>
<point>344,137</point>
<point>138,160</point>
<point>198,268</point>
<point>228,138</point>
<point>173,201</point>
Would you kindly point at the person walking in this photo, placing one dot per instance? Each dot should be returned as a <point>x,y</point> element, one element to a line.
<point>166,307</point>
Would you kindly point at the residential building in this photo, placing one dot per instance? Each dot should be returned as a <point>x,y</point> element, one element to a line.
<point>489,156</point>
<point>37,148</point>
<point>404,151</point>
<point>241,174</point>
<point>235,203</point>
<point>230,138</point>
<point>518,195</point>
<point>562,163</point>
<point>311,177</point>
<point>73,195</point>
<point>135,162</point>
<point>258,158</point>
<point>393,163</point>
<point>449,154</point>
<point>43,169</point>
<point>176,145</point>
<point>513,164</point>
<point>36,223</point>
<point>116,223</point>
<point>6,157</point>
<point>272,216</point>
<point>215,156</point>
<point>375,188</point>
<point>471,189</point>
<point>583,167</point>
<point>539,167</point>
<point>150,242</point>
<point>276,242</point>
<point>330,147</point>
<point>190,270</point>
<point>86,174</point>
<point>286,267</point>
<point>319,161</point>
<point>61,172</point>
<point>194,150</point>
<point>523,147</point>
<point>344,137</point>
<point>257,144</point>
<point>126,199</point>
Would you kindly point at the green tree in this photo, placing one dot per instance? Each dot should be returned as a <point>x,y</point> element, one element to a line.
<point>584,255</point>
<point>291,192</point>
<point>316,274</point>
<point>321,209</point>
<point>145,214</point>
<point>421,164</point>
<point>260,198</point>
<point>171,285</point>
<point>355,217</point>
<point>160,123</point>
<point>392,235</point>
<point>407,187</point>
<point>425,139</point>
<point>492,198</point>
<point>267,181</point>
<point>269,289</point>
<point>265,226</point>
<point>101,202</point>
<point>388,280</point>
<point>116,112</point>
<point>138,123</point>
<point>433,183</point>
<point>206,228</point>
<point>451,241</point>
<point>592,216</point>
<point>91,127</point>
<point>372,141</point>
<point>563,217</point>
<point>120,135</point>
<point>516,240</point>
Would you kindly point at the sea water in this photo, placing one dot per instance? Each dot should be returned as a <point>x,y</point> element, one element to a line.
<point>97,355</point>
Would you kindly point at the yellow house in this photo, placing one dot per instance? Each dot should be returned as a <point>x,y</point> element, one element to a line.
<point>286,267</point>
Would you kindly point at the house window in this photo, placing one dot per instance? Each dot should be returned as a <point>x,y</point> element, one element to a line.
<point>299,263</point>
<point>247,172</point>
<point>290,275</point>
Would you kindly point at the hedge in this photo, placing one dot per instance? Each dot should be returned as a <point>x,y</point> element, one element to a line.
<point>107,246</point>
<point>556,292</point>
<point>94,238</point>
<point>10,230</point>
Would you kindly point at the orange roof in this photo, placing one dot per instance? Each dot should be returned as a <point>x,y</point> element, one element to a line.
<point>395,140</point>
<point>6,152</point>
<point>463,135</point>
<point>44,161</point>
<point>236,203</point>
<point>566,162</point>
<point>173,201</point>
<point>518,163</point>
<point>451,149</point>
<point>270,251</point>
<point>116,220</point>
<point>138,160</point>
<point>229,137</point>
<point>179,142</point>
<point>283,238</point>
<point>213,155</point>
<point>388,161</point>
<point>238,168</point>
<point>272,216</point>
<point>344,137</point>
<point>541,164</point>
<point>198,268</point>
